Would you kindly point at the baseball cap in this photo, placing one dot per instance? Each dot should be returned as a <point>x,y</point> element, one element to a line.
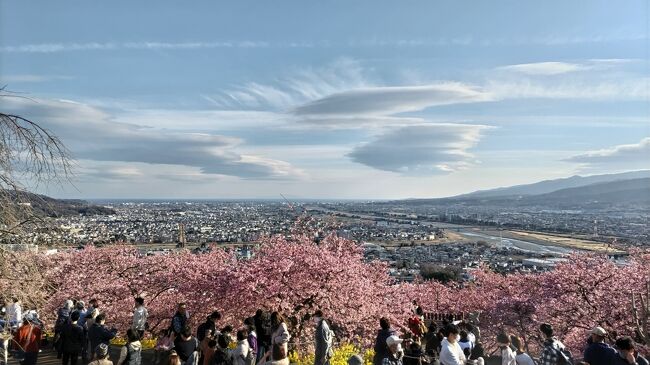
<point>391,340</point>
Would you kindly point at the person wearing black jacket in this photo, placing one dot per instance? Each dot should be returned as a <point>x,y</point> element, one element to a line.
<point>98,333</point>
<point>263,331</point>
<point>381,348</point>
<point>72,340</point>
<point>209,324</point>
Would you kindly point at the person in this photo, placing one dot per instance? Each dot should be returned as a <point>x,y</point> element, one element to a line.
<point>241,353</point>
<point>179,321</point>
<point>355,360</point>
<point>131,353</point>
<point>395,353</point>
<point>280,334</point>
<point>210,324</point>
<point>252,335</point>
<point>432,340</point>
<point>465,344</point>
<point>174,359</point>
<point>522,357</point>
<point>220,356</point>
<point>226,331</point>
<point>477,351</point>
<point>140,315</point>
<point>413,354</point>
<point>598,352</point>
<point>204,345</point>
<point>381,348</point>
<point>89,319</point>
<point>324,338</point>
<point>72,340</point>
<point>508,357</point>
<point>277,356</point>
<point>101,356</point>
<point>80,306</point>
<point>164,343</point>
<point>553,349</point>
<point>15,312</point>
<point>416,323</point>
<point>83,312</point>
<point>263,331</point>
<point>627,354</point>
<point>28,338</point>
<point>207,351</point>
<point>98,333</point>
<point>186,345</point>
<point>62,318</point>
<point>451,353</point>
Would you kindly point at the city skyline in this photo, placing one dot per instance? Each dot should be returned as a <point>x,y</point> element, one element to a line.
<point>363,100</point>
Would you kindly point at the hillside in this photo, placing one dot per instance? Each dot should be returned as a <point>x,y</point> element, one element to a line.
<point>46,206</point>
<point>549,186</point>
<point>617,192</point>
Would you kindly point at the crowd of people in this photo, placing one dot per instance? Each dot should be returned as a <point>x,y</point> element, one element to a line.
<point>459,343</point>
<point>81,334</point>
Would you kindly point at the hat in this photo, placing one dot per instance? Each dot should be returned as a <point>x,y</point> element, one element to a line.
<point>392,340</point>
<point>101,350</point>
<point>355,360</point>
<point>599,331</point>
<point>81,304</point>
<point>31,316</point>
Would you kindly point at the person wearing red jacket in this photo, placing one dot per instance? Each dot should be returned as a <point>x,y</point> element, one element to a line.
<point>28,338</point>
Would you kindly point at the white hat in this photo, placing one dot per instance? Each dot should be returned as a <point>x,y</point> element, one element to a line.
<point>392,340</point>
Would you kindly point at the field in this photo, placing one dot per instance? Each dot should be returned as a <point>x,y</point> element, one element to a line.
<point>563,241</point>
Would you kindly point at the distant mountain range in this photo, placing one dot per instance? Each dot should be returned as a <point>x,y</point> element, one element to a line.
<point>45,206</point>
<point>549,186</point>
<point>575,192</point>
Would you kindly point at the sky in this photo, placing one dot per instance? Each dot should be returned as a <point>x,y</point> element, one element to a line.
<point>329,99</point>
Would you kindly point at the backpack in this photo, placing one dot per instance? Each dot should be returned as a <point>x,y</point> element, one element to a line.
<point>564,356</point>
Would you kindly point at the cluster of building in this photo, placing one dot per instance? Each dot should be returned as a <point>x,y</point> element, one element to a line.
<point>157,222</point>
<point>629,225</point>
<point>409,239</point>
<point>407,262</point>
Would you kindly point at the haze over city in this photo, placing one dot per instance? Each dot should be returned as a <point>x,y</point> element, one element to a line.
<point>354,100</point>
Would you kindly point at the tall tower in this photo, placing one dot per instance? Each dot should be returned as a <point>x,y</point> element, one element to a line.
<point>595,228</point>
<point>181,235</point>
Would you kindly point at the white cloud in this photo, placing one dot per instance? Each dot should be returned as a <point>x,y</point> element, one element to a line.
<point>289,91</point>
<point>594,89</point>
<point>421,149</point>
<point>392,99</point>
<point>545,68</point>
<point>24,78</point>
<point>636,155</point>
<point>109,46</point>
<point>93,134</point>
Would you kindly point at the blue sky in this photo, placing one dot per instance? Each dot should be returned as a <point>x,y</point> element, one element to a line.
<point>331,99</point>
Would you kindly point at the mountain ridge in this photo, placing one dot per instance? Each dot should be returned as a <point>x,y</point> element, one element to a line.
<point>549,186</point>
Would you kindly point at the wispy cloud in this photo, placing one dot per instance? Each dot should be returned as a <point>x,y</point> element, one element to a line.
<point>392,99</point>
<point>545,68</point>
<point>635,155</point>
<point>109,46</point>
<point>462,41</point>
<point>94,134</point>
<point>421,149</point>
<point>29,78</point>
<point>289,91</point>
